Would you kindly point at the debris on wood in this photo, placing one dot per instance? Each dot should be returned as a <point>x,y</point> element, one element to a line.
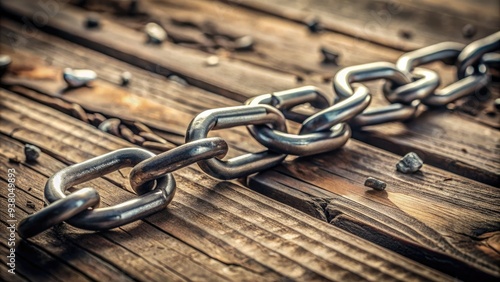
<point>244,43</point>
<point>92,21</point>
<point>314,25</point>
<point>5,61</point>
<point>497,103</point>
<point>329,56</point>
<point>375,183</point>
<point>156,34</point>
<point>406,34</point>
<point>78,78</point>
<point>469,30</point>
<point>31,152</point>
<point>178,79</point>
<point>212,61</point>
<point>30,204</point>
<point>410,163</point>
<point>125,78</point>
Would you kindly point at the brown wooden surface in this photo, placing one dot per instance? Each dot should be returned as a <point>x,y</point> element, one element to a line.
<point>399,24</point>
<point>212,230</point>
<point>443,217</point>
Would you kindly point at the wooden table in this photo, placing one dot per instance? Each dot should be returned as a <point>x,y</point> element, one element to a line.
<point>310,218</point>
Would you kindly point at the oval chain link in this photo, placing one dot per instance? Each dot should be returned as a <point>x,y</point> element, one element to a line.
<point>230,117</point>
<point>305,143</point>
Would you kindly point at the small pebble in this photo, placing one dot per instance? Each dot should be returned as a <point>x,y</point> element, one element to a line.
<point>5,61</point>
<point>156,34</point>
<point>406,34</point>
<point>125,77</point>
<point>244,43</point>
<point>92,21</point>
<point>374,183</point>
<point>178,79</point>
<point>30,204</point>
<point>212,61</point>
<point>314,25</point>
<point>410,163</point>
<point>31,152</point>
<point>329,56</point>
<point>497,103</point>
<point>468,31</point>
<point>78,78</point>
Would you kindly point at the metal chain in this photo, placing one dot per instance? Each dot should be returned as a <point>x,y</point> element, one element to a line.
<point>407,88</point>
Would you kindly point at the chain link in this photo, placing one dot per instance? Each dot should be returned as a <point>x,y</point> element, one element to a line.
<point>407,88</point>
<point>302,144</point>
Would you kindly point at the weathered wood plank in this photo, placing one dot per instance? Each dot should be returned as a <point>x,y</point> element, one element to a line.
<point>165,59</point>
<point>403,25</point>
<point>55,51</point>
<point>319,205</point>
<point>428,211</point>
<point>208,218</point>
<point>278,44</point>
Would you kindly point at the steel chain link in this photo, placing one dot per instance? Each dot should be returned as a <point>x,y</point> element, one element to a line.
<point>407,87</point>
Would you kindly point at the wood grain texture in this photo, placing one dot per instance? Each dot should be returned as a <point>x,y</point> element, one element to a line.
<point>403,25</point>
<point>427,212</point>
<point>130,46</point>
<point>205,233</point>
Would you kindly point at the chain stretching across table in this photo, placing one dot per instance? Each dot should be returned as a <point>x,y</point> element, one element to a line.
<point>407,87</point>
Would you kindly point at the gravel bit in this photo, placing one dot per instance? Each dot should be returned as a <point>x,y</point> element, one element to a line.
<point>111,126</point>
<point>212,61</point>
<point>468,31</point>
<point>31,152</point>
<point>330,56</point>
<point>314,25</point>
<point>92,21</point>
<point>78,78</point>
<point>125,77</point>
<point>5,61</point>
<point>374,183</point>
<point>410,163</point>
<point>30,204</point>
<point>156,34</point>
<point>244,43</point>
